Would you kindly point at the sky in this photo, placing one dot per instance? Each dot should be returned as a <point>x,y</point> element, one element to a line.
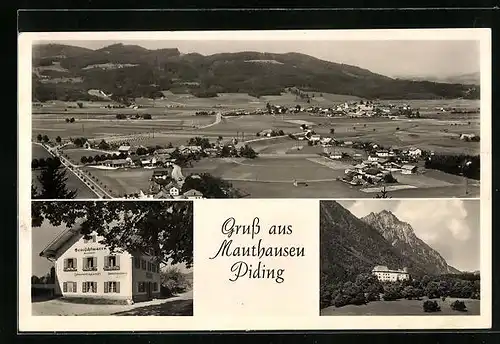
<point>41,237</point>
<point>451,227</point>
<point>387,57</point>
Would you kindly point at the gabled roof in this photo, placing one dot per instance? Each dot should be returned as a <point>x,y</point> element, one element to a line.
<point>58,243</point>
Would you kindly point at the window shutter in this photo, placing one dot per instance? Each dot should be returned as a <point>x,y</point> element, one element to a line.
<point>95,286</point>
<point>117,287</point>
<point>95,261</point>
<point>65,287</point>
<point>118,261</point>
<point>106,287</point>
<point>74,287</point>
<point>66,263</point>
<point>83,263</point>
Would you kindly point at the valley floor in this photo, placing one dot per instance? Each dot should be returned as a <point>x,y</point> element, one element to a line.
<point>402,307</point>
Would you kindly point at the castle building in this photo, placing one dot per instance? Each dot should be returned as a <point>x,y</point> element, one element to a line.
<point>384,274</point>
<point>88,269</point>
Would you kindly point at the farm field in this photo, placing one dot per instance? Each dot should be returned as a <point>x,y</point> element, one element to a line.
<point>123,181</point>
<point>73,182</point>
<point>403,307</point>
<point>38,152</point>
<point>281,161</point>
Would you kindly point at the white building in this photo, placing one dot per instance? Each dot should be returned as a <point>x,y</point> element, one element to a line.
<point>88,269</point>
<point>193,194</point>
<point>385,275</point>
<point>415,152</point>
<point>408,169</point>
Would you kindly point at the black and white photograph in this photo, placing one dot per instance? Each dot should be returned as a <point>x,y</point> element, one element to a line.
<point>112,258</point>
<point>193,119</point>
<point>400,257</point>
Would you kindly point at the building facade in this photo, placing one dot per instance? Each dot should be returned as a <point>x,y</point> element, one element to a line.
<point>88,269</point>
<point>384,274</point>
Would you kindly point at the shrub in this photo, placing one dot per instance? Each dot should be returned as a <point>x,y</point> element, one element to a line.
<point>173,281</point>
<point>431,306</point>
<point>459,306</point>
<point>341,300</point>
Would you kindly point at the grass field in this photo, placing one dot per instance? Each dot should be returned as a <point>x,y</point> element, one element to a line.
<point>72,183</point>
<point>38,152</point>
<point>402,307</point>
<point>123,181</point>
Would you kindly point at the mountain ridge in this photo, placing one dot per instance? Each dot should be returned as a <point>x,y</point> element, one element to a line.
<point>402,236</point>
<point>167,68</point>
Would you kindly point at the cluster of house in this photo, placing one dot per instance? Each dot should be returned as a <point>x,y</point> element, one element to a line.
<point>160,157</point>
<point>381,164</point>
<point>352,109</point>
<point>163,185</point>
<point>384,274</point>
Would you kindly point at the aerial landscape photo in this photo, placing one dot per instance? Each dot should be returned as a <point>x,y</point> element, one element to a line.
<point>400,257</point>
<point>255,119</point>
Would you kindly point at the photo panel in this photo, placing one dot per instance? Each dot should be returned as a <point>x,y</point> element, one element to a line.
<point>249,115</point>
<point>382,257</point>
<point>111,258</point>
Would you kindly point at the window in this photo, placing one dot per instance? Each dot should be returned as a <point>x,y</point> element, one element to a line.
<point>149,266</point>
<point>143,264</point>
<point>112,263</point>
<point>141,287</point>
<point>70,264</point>
<point>69,287</point>
<point>90,263</point>
<point>90,240</point>
<point>137,262</point>
<point>112,287</point>
<point>89,287</point>
<point>155,286</point>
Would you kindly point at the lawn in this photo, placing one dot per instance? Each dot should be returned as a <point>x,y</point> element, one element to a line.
<point>402,307</point>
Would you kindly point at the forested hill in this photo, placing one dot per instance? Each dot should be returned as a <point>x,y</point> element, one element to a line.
<point>67,72</point>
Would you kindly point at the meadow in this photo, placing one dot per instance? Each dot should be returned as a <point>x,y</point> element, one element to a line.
<point>403,307</point>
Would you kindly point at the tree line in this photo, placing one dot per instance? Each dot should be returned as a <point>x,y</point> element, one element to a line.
<point>466,165</point>
<point>366,288</point>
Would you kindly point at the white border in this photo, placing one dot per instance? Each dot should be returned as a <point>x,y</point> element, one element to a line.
<point>30,323</point>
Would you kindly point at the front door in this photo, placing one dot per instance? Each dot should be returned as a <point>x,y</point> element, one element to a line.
<point>149,290</point>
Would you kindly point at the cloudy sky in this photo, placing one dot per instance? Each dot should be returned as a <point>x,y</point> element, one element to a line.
<point>388,57</point>
<point>41,237</point>
<point>451,227</point>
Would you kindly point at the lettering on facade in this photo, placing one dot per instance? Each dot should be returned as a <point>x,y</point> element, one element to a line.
<point>87,249</point>
<point>117,273</point>
<point>87,273</point>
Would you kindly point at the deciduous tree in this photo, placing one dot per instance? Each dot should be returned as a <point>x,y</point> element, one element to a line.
<point>161,229</point>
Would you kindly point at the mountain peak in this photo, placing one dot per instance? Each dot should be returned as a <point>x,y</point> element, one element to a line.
<point>402,236</point>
